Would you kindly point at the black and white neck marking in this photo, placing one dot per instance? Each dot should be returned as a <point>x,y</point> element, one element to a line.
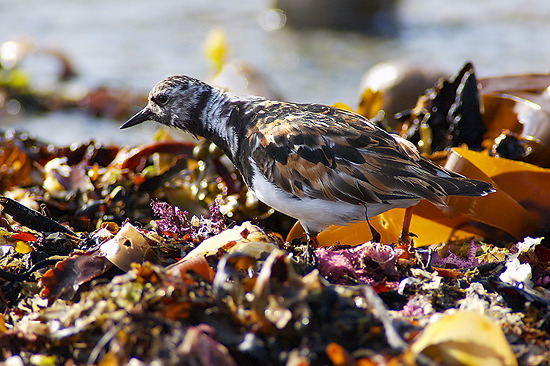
<point>215,118</point>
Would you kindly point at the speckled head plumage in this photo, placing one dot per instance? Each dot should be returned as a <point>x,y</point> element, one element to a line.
<point>176,101</point>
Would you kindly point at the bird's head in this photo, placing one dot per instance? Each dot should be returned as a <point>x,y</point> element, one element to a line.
<point>176,101</point>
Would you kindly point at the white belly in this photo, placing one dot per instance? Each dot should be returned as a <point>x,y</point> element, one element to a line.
<point>316,215</point>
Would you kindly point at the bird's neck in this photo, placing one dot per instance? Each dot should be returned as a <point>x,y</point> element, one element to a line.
<point>218,120</point>
<point>213,122</point>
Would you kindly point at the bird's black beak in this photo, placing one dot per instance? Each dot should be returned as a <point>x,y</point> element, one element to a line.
<point>144,115</point>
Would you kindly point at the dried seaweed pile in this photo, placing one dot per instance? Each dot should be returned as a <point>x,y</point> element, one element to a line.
<point>158,254</point>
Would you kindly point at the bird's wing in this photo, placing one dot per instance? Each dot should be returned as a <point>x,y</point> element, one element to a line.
<point>323,152</point>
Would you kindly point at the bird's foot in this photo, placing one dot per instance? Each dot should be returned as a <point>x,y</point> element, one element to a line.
<point>406,239</point>
<point>310,258</point>
<point>304,252</point>
<point>406,243</point>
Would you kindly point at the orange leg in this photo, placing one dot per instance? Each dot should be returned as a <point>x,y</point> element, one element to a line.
<point>405,237</point>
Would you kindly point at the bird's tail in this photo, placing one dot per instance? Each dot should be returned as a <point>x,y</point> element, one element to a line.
<point>462,186</point>
<point>455,184</point>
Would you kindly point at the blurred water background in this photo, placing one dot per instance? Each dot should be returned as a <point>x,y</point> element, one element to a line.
<point>135,43</point>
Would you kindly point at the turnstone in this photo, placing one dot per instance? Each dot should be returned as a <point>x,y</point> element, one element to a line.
<point>313,162</point>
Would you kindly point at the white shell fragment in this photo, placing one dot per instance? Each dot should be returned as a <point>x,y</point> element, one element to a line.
<point>247,238</point>
<point>126,247</point>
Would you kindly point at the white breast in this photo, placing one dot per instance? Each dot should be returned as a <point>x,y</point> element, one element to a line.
<point>314,214</point>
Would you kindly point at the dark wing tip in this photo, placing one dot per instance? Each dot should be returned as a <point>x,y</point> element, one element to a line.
<point>487,189</point>
<point>476,188</point>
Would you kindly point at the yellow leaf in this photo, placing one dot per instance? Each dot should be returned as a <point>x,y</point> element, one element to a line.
<point>519,212</point>
<point>389,225</point>
<point>22,248</point>
<point>43,360</point>
<point>371,103</point>
<point>465,338</point>
<point>110,359</point>
<point>3,328</point>
<point>343,106</point>
<point>216,48</point>
<point>14,78</point>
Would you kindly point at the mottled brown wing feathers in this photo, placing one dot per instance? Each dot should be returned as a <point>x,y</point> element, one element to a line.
<point>322,152</point>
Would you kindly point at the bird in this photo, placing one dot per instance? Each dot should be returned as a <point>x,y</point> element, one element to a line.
<point>319,164</point>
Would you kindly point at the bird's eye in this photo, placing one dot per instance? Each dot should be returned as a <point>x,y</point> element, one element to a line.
<point>161,99</point>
